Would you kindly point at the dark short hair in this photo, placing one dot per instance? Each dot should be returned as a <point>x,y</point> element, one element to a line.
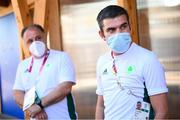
<point>110,11</point>
<point>37,26</point>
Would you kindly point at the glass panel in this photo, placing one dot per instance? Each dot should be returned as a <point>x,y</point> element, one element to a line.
<point>159,26</point>
<point>82,42</point>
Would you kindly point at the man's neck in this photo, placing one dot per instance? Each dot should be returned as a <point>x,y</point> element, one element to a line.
<point>116,54</point>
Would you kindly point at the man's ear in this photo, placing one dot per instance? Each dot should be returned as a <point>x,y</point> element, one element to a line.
<point>101,33</point>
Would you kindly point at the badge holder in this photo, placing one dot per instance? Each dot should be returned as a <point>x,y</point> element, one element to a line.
<point>142,110</point>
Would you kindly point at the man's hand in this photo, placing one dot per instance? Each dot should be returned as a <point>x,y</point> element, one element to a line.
<point>34,110</point>
<point>41,115</point>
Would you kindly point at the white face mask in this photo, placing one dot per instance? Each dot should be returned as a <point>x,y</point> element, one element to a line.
<point>37,48</point>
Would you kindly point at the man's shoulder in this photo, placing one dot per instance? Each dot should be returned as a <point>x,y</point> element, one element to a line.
<point>103,59</point>
<point>59,55</point>
<point>23,64</point>
<point>143,51</point>
<point>145,54</point>
<point>26,60</point>
<point>58,52</point>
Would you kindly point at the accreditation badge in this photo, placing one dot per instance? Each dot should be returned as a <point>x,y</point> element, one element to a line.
<point>29,98</point>
<point>142,110</point>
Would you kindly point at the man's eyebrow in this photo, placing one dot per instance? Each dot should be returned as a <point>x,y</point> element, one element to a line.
<point>38,36</point>
<point>110,28</point>
<point>125,23</point>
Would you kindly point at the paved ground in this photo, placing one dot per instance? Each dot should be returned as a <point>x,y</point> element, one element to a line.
<point>2,116</point>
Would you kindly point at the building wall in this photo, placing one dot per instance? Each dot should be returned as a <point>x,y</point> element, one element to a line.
<point>9,54</point>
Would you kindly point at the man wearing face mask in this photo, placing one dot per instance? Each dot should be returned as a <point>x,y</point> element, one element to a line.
<point>128,74</point>
<point>50,73</point>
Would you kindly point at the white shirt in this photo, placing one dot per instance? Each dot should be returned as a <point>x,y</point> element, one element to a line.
<point>134,67</point>
<point>57,69</point>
